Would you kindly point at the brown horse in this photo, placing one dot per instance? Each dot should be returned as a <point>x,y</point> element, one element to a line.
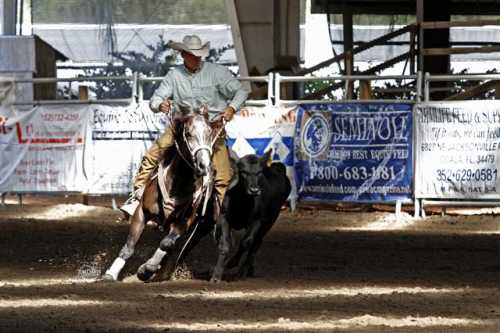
<point>178,194</point>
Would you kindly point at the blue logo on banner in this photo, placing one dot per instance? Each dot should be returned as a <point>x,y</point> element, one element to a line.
<point>316,135</point>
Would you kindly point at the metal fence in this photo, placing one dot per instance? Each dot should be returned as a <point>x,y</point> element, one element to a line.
<point>422,92</point>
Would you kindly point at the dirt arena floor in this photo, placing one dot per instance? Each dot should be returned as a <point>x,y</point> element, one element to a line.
<point>318,270</point>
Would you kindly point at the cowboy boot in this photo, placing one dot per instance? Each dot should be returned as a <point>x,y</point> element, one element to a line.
<point>130,205</point>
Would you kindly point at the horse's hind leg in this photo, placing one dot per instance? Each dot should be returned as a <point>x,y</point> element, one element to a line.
<point>135,231</point>
<point>153,265</point>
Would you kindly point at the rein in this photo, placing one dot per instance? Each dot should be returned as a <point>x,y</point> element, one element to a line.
<point>206,187</point>
<point>194,151</point>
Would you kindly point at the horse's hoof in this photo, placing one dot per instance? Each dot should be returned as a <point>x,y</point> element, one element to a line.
<point>107,278</point>
<point>146,271</point>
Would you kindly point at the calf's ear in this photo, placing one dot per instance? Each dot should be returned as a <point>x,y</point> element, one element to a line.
<point>267,159</point>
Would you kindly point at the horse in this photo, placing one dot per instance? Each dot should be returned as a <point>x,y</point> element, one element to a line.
<point>173,198</point>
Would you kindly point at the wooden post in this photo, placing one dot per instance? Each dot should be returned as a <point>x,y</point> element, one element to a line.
<point>413,52</point>
<point>420,20</point>
<point>497,91</point>
<point>83,93</point>
<point>365,89</point>
<point>349,85</point>
<point>348,51</point>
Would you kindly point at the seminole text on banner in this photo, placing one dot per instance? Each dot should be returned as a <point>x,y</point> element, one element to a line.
<point>354,152</point>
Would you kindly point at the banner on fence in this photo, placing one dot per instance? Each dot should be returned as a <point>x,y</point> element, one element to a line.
<point>119,138</point>
<point>254,130</point>
<point>354,152</point>
<point>457,145</point>
<point>43,149</point>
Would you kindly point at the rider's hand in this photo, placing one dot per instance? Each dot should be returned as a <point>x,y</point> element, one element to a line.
<point>228,113</point>
<point>165,106</point>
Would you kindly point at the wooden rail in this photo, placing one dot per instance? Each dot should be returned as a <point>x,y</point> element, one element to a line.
<point>476,90</point>
<point>450,24</point>
<point>371,71</point>
<point>459,50</point>
<point>361,48</point>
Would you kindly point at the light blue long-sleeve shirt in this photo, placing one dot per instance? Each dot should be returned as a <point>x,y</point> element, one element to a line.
<point>212,85</point>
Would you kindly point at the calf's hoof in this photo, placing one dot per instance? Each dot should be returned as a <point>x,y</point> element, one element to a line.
<point>146,271</point>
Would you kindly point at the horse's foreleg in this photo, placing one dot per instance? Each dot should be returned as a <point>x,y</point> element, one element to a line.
<point>224,248</point>
<point>153,264</point>
<point>135,232</point>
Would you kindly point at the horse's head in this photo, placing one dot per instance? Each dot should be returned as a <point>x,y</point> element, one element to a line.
<point>196,133</point>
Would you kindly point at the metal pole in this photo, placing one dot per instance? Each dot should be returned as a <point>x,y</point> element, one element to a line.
<point>277,88</point>
<point>140,89</point>
<point>419,86</point>
<point>133,97</point>
<point>426,87</point>
<point>270,83</point>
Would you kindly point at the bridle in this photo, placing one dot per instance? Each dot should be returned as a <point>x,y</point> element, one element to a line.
<point>193,150</point>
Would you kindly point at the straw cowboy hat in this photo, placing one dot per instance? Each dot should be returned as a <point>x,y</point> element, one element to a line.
<point>191,44</point>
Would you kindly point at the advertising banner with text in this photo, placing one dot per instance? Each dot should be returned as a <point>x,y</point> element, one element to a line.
<point>42,150</point>
<point>119,138</point>
<point>457,146</point>
<point>354,152</point>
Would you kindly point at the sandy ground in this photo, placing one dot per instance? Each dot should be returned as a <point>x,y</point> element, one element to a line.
<point>318,270</point>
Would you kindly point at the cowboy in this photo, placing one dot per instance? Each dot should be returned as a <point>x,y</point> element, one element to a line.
<point>195,84</point>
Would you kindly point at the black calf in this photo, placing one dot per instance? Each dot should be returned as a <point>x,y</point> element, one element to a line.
<point>253,204</point>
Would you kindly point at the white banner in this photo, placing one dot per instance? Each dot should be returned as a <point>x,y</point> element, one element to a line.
<point>254,130</point>
<point>457,145</point>
<point>98,148</point>
<point>42,149</point>
<point>120,137</point>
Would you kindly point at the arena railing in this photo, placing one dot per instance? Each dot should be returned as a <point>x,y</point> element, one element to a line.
<point>279,79</point>
<point>132,78</point>
<point>137,93</point>
<point>253,102</point>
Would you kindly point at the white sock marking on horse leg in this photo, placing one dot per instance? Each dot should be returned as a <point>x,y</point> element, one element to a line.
<point>116,267</point>
<point>157,257</point>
